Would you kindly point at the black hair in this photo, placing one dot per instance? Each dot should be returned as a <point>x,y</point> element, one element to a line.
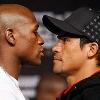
<point>83,41</point>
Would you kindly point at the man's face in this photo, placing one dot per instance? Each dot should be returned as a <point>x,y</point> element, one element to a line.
<point>29,42</point>
<point>68,56</point>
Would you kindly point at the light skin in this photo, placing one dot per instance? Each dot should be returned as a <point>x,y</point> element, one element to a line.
<point>19,39</point>
<point>74,62</point>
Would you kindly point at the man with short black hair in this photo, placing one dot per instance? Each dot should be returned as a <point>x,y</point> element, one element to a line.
<point>77,53</point>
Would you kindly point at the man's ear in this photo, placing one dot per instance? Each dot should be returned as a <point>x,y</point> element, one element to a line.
<point>10,37</point>
<point>93,49</point>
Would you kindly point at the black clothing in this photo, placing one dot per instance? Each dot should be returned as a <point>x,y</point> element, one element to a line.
<point>87,89</point>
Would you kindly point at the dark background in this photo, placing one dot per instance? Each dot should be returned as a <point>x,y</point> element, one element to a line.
<point>58,7</point>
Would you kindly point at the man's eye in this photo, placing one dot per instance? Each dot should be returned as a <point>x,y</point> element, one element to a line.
<point>35,32</point>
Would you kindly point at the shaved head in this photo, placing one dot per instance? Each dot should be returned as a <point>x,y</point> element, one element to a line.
<point>19,39</point>
<point>15,9</point>
<point>12,15</point>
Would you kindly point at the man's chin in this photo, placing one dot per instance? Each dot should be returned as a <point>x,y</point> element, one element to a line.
<point>36,62</point>
<point>56,70</point>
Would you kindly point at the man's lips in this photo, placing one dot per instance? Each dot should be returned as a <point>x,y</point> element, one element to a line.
<point>42,52</point>
<point>57,58</point>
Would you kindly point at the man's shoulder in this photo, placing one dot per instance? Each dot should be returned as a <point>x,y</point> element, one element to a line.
<point>6,92</point>
<point>87,89</point>
<point>93,90</point>
<point>10,91</point>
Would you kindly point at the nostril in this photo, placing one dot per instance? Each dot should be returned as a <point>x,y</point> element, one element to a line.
<point>42,43</point>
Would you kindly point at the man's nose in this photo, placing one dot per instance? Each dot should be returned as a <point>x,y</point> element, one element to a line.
<point>40,40</point>
<point>54,48</point>
<point>57,47</point>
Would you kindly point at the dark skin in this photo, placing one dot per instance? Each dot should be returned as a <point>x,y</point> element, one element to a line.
<point>19,39</point>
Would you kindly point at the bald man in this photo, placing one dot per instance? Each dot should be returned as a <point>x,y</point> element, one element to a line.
<point>19,40</point>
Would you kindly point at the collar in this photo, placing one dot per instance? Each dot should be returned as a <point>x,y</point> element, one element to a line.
<point>84,83</point>
<point>9,77</point>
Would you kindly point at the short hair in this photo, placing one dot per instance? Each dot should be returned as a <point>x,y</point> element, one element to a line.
<point>83,41</point>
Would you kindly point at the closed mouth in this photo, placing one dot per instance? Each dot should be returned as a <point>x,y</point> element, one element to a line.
<point>55,58</point>
<point>42,52</point>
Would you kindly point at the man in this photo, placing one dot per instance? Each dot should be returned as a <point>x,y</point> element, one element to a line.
<point>77,53</point>
<point>19,40</point>
<point>50,86</point>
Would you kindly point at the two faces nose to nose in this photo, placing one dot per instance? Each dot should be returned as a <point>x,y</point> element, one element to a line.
<point>41,42</point>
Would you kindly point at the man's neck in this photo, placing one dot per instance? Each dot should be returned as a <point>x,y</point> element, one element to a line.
<point>82,74</point>
<point>11,66</point>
